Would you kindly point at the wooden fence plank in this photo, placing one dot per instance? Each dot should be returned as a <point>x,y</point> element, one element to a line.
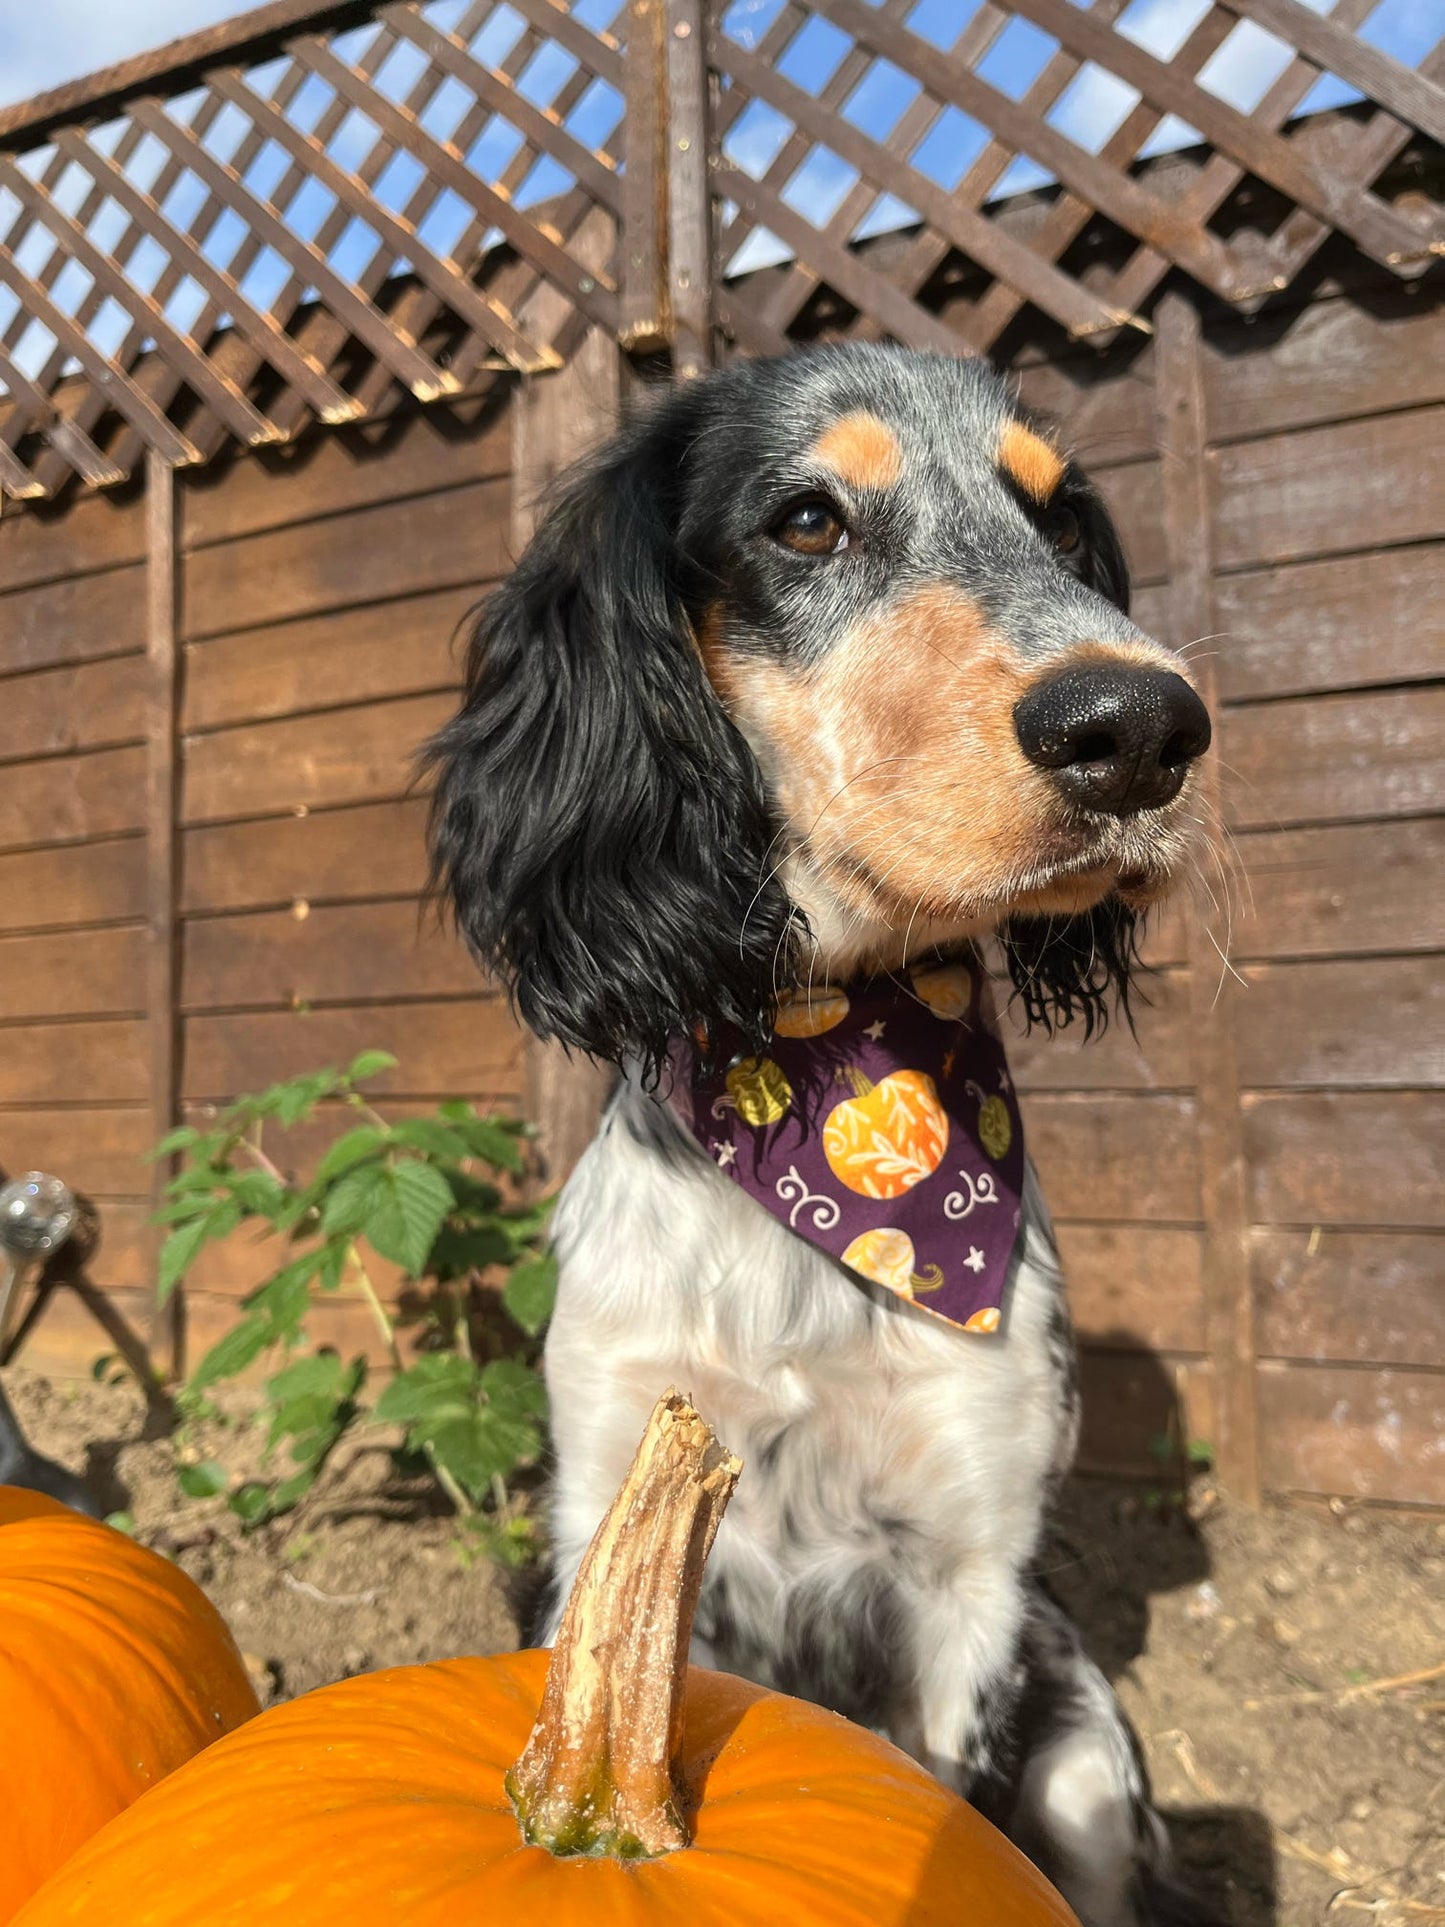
<point>67,798</point>
<point>98,614</point>
<point>371,850</point>
<point>413,452</point>
<point>1132,495</point>
<point>368,555</point>
<point>73,973</point>
<point>1365,1297</point>
<point>343,756</point>
<point>445,1049</point>
<point>1354,485</point>
<point>359,655</point>
<point>73,884</point>
<point>1135,1285</point>
<point>1365,1434</point>
<point>1104,409</point>
<point>1376,1023</point>
<point>96,1148</point>
<point>1136,1406</point>
<point>1346,891</point>
<point>89,706</point>
<point>1345,623</point>
<point>340,955</point>
<point>1330,360</point>
<point>99,532</point>
<point>1110,1158</point>
<point>102,1059</point>
<point>1335,758</point>
<point>1347,1158</point>
<point>1158,1058</point>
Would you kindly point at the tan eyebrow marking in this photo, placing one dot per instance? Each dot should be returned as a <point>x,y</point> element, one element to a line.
<point>1036,465</point>
<point>861,450</point>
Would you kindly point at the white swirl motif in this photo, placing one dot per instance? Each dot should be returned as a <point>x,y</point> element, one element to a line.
<point>983,1190</point>
<point>722,1104</point>
<point>792,1188</point>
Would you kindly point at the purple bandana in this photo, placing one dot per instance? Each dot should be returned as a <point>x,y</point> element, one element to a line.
<point>882,1127</point>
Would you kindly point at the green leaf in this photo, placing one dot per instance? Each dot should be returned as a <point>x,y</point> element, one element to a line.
<point>493,1139</point>
<point>353,1148</point>
<point>300,1097</point>
<point>319,1372</point>
<point>293,1488</point>
<point>178,1253</point>
<point>514,1388</point>
<point>122,1522</point>
<point>251,1502</point>
<point>440,1383</point>
<point>371,1063</point>
<point>259,1194</point>
<point>530,1293</point>
<point>353,1198</point>
<point>431,1135</point>
<point>173,1141</point>
<point>460,1249</point>
<point>472,1195</point>
<point>202,1481</point>
<point>234,1352</point>
<point>406,1215</point>
<point>331,1271</point>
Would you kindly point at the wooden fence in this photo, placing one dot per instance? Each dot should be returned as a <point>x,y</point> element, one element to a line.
<point>272,424</point>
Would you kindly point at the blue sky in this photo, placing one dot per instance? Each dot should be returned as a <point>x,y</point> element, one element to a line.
<point>45,44</point>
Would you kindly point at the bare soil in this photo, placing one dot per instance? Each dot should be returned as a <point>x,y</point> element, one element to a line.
<point>1285,1669</point>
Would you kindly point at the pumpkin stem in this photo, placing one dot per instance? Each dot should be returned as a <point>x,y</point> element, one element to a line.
<point>858,1082</point>
<point>599,1774</point>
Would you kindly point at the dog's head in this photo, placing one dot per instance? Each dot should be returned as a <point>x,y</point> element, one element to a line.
<point>825,661</point>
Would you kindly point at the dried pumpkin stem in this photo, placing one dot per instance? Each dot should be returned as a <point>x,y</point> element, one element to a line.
<point>599,1774</point>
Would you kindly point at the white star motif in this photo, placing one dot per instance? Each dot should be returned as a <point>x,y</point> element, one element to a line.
<point>975,1259</point>
<point>875,1030</point>
<point>726,1155</point>
<point>1003,1082</point>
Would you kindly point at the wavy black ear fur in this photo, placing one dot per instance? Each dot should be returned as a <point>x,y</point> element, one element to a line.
<point>599,825</point>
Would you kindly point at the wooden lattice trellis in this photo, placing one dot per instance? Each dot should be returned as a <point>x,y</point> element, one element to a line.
<point>313,211</point>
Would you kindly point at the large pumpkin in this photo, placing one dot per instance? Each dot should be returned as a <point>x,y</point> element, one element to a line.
<point>114,1668</point>
<point>888,1136</point>
<point>645,1791</point>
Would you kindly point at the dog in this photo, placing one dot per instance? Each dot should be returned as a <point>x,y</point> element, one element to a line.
<point>820,671</point>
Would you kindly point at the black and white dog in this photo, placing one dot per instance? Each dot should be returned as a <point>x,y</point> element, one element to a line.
<point>821,668</point>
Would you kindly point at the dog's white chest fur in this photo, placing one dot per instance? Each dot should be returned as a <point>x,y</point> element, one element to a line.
<point>895,1468</point>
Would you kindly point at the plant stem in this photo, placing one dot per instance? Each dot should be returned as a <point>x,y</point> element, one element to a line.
<point>600,1773</point>
<point>444,1478</point>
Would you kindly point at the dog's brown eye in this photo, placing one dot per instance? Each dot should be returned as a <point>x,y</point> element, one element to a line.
<point>811,528</point>
<point>1064,530</point>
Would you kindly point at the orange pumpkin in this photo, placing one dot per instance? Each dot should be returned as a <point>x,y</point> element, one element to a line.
<point>946,989</point>
<point>758,1091</point>
<point>809,1012</point>
<point>114,1668</point>
<point>647,1791</point>
<point>888,1136</point>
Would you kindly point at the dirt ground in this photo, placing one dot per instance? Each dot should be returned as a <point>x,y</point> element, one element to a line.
<point>1266,1659</point>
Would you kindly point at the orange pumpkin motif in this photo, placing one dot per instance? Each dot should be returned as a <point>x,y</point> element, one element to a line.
<point>887,1257</point>
<point>983,1321</point>
<point>887,1137</point>
<point>947,989</point>
<point>810,1012</point>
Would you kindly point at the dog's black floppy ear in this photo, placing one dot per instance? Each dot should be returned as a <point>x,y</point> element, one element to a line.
<point>599,825</point>
<point>1103,564</point>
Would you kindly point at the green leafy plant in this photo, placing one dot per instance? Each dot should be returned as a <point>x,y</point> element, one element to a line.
<point>426,1193</point>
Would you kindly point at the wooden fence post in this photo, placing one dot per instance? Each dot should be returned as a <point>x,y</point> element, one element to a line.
<point>1228,1295</point>
<point>162,860</point>
<point>556,418</point>
<point>689,190</point>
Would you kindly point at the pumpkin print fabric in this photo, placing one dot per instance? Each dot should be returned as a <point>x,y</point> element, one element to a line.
<point>881,1126</point>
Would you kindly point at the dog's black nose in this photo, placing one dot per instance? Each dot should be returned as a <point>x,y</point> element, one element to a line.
<point>1114,738</point>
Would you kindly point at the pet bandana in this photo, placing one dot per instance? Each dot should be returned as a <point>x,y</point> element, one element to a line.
<point>882,1127</point>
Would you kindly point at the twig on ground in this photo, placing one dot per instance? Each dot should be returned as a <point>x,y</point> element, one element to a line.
<point>1364,1689</point>
<point>330,1598</point>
